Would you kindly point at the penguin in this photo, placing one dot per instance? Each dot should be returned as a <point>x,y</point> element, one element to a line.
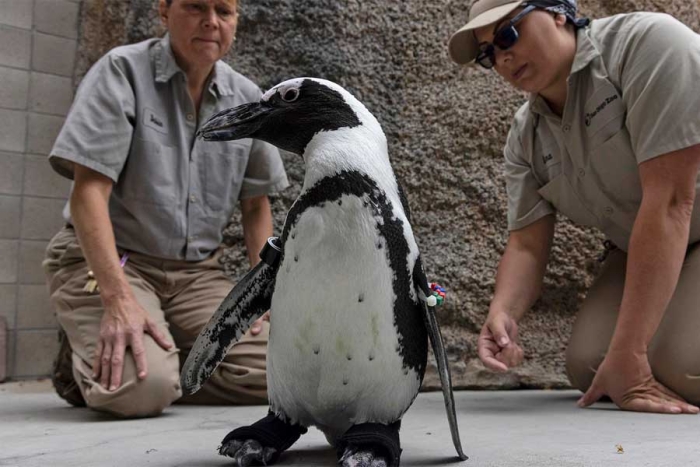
<point>345,286</point>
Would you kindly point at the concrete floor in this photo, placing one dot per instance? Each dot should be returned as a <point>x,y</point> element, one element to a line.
<point>499,429</point>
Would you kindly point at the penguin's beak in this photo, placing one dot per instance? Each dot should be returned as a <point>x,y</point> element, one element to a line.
<point>236,123</point>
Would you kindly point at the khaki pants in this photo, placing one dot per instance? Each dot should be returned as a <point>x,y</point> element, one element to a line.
<point>674,352</point>
<point>180,297</point>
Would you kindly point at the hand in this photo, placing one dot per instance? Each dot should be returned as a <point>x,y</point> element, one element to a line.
<point>257,326</point>
<point>626,377</point>
<point>123,325</point>
<point>498,346</point>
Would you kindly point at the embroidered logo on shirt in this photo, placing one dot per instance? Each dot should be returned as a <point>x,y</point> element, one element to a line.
<point>154,122</point>
<point>547,157</point>
<point>591,115</point>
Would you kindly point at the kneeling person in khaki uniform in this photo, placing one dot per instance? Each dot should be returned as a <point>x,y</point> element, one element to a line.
<point>610,137</point>
<point>146,214</point>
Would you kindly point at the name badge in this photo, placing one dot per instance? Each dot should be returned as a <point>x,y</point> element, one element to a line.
<point>153,121</point>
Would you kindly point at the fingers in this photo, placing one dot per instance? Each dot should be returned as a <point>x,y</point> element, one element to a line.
<point>106,364</point>
<point>138,350</point>
<point>658,405</point>
<point>652,398</point>
<point>152,328</point>
<point>487,350</point>
<point>117,362</point>
<point>685,406</point>
<point>511,355</point>
<point>257,326</point>
<point>657,398</point>
<point>96,363</point>
<point>497,346</point>
<point>591,396</point>
<point>652,406</point>
<point>497,327</point>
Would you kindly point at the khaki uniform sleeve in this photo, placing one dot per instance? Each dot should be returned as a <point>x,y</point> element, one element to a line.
<point>264,174</point>
<point>660,79</point>
<point>98,129</point>
<point>525,204</point>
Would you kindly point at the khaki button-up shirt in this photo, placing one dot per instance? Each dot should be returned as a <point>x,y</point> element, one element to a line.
<point>133,121</point>
<point>634,94</point>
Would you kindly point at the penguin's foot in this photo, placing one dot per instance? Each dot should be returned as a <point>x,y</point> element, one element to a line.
<point>248,452</point>
<point>260,443</point>
<point>362,458</point>
<point>370,445</point>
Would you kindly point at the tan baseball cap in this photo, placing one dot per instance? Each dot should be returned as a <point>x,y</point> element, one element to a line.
<point>463,45</point>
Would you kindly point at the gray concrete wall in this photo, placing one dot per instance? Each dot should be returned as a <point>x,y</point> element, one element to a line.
<point>37,63</point>
<point>446,126</point>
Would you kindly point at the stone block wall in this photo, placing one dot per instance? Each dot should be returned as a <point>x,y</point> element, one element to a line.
<point>37,62</point>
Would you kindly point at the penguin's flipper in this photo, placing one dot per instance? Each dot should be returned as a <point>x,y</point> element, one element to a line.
<point>423,291</point>
<point>248,300</point>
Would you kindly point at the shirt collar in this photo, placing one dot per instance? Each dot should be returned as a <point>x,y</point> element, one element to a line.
<point>218,84</point>
<point>166,66</point>
<point>586,51</point>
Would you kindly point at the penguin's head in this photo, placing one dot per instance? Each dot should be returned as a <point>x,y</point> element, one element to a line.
<point>289,115</point>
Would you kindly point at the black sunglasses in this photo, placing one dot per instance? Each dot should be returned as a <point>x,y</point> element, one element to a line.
<point>504,39</point>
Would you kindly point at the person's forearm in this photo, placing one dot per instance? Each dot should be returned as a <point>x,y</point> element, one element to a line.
<point>518,282</point>
<point>656,253</point>
<point>257,226</point>
<point>90,213</point>
<point>521,270</point>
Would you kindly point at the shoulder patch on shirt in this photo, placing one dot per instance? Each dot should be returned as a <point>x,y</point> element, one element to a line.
<point>151,120</point>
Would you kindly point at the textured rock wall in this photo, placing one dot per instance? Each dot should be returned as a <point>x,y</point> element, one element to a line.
<point>446,126</point>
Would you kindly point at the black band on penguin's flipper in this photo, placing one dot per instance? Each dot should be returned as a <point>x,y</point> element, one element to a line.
<point>271,253</point>
<point>271,432</point>
<point>374,435</point>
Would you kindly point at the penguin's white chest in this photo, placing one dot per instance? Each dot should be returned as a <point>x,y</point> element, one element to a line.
<point>333,354</point>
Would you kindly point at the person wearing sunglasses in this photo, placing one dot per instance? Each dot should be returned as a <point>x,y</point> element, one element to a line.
<point>610,138</point>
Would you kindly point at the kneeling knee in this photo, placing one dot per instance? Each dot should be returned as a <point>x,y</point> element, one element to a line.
<point>137,398</point>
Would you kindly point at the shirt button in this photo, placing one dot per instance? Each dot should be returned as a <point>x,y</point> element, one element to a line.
<point>581,173</point>
<point>566,128</point>
<point>608,211</point>
<point>190,117</point>
<point>193,199</point>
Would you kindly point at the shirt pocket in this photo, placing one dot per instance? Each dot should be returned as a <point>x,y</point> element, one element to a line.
<point>605,114</point>
<point>562,196</point>
<point>150,174</point>
<point>224,169</point>
<point>615,172</point>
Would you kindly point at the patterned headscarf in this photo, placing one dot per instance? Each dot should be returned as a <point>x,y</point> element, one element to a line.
<point>564,7</point>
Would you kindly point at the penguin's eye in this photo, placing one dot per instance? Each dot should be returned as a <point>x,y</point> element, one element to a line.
<point>290,95</point>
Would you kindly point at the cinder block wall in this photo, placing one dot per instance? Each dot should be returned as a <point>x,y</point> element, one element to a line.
<point>37,58</point>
